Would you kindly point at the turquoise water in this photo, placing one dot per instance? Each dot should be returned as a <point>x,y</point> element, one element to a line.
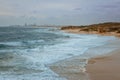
<point>26,52</point>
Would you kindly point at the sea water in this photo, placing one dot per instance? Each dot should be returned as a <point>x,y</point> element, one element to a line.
<point>26,52</point>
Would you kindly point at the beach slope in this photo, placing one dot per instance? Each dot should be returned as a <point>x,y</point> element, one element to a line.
<point>105,68</point>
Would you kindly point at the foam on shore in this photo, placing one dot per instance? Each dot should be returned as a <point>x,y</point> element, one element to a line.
<point>105,67</point>
<point>75,68</point>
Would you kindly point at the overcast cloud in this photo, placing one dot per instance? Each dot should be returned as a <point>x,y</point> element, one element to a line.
<point>58,12</point>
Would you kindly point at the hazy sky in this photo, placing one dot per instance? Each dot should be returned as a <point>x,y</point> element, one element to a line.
<point>58,12</point>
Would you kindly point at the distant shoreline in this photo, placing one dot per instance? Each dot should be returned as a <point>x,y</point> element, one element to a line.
<point>108,29</point>
<point>104,67</point>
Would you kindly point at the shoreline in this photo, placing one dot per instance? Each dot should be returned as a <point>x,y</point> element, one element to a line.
<point>105,67</point>
<point>77,31</point>
<point>73,72</point>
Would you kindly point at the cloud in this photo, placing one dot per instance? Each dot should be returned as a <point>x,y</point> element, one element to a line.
<point>58,11</point>
<point>77,9</point>
<point>110,6</point>
<point>35,7</point>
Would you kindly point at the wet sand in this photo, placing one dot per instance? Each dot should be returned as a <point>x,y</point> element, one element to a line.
<point>101,67</point>
<point>70,69</point>
<point>106,67</point>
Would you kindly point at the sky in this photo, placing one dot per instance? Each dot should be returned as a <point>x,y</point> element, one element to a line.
<point>58,12</point>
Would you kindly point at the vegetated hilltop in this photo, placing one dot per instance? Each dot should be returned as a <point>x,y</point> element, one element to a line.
<point>100,28</point>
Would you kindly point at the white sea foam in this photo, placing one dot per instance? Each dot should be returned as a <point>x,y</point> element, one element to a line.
<point>11,43</point>
<point>39,57</point>
<point>76,45</point>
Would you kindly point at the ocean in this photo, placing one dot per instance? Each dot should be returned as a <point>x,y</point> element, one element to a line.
<point>26,52</point>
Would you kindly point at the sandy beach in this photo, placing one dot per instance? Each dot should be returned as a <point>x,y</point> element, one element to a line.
<point>77,31</point>
<point>105,68</point>
<point>102,67</point>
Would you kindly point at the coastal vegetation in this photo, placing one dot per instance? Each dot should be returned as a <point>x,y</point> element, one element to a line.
<point>99,28</point>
